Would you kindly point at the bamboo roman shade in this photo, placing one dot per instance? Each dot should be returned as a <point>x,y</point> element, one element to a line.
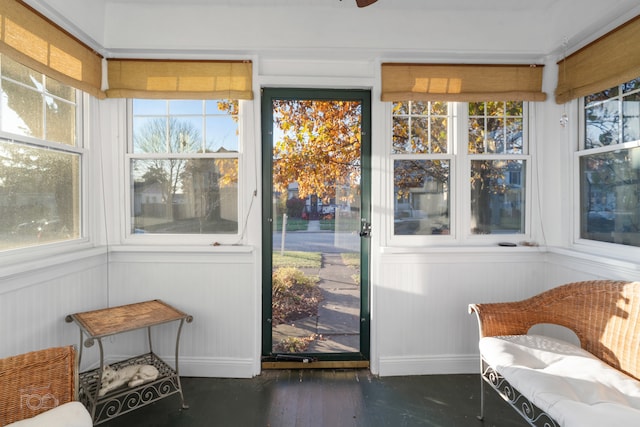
<point>461,82</point>
<point>175,79</point>
<point>32,40</point>
<point>611,60</point>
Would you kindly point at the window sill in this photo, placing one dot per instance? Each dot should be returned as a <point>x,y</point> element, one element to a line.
<point>594,255</point>
<point>183,254</point>
<point>217,249</point>
<point>484,249</point>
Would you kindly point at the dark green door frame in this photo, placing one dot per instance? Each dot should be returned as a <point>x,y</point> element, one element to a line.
<point>364,96</point>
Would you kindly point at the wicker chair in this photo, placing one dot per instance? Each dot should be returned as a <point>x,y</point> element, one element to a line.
<point>604,315</point>
<point>587,308</point>
<point>41,382</point>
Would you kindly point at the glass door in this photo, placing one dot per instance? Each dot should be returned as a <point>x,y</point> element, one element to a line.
<point>316,207</point>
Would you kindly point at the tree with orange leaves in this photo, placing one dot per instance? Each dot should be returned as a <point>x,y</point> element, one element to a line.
<point>317,145</point>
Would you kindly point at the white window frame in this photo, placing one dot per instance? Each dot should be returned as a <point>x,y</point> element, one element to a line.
<point>607,249</point>
<point>460,185</point>
<point>26,253</point>
<point>237,238</point>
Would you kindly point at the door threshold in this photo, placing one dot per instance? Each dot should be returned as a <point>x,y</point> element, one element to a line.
<point>321,364</point>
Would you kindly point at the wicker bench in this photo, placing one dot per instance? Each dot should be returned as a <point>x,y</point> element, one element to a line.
<point>39,389</point>
<point>554,383</point>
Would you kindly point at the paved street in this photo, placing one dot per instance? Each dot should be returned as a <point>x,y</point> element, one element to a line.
<point>314,240</point>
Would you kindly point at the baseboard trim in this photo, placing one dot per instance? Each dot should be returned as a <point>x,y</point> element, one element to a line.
<point>217,367</point>
<point>387,366</point>
<point>428,365</point>
<point>339,364</point>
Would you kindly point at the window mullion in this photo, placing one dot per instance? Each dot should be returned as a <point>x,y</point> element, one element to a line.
<point>621,110</point>
<point>429,119</point>
<point>504,134</point>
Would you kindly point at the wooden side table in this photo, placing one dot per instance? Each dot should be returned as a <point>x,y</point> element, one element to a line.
<point>98,324</point>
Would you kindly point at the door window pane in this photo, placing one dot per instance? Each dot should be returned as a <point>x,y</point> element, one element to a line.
<point>317,213</point>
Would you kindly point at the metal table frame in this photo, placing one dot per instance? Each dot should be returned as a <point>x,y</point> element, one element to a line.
<point>102,323</point>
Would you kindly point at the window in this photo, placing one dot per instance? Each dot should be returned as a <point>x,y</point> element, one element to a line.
<point>496,149</point>
<point>183,165</point>
<point>40,159</point>
<point>421,166</point>
<point>609,161</point>
<point>487,156</point>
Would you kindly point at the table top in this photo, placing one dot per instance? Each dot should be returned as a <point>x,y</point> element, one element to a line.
<point>124,318</point>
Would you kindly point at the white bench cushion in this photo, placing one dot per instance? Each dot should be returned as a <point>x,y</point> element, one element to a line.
<point>71,414</point>
<point>570,384</point>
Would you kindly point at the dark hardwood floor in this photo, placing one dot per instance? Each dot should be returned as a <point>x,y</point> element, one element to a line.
<point>327,398</point>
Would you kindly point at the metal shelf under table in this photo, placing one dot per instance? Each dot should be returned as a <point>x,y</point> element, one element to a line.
<point>98,324</point>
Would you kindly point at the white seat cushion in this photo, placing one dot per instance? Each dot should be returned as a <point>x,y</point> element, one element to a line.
<point>570,384</point>
<point>71,414</point>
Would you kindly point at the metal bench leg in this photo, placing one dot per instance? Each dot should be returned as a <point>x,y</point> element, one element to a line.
<point>481,416</point>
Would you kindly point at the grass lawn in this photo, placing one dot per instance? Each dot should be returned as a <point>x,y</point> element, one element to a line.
<point>352,259</point>
<point>327,224</point>
<point>343,224</point>
<point>293,224</point>
<point>297,259</point>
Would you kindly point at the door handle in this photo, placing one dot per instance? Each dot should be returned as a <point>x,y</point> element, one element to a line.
<point>365,229</point>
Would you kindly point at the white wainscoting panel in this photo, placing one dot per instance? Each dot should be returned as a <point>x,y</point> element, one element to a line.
<point>219,290</point>
<point>564,266</point>
<point>421,305</point>
<point>34,303</point>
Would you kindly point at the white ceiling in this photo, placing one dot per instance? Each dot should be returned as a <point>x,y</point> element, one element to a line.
<point>520,30</point>
<point>381,4</point>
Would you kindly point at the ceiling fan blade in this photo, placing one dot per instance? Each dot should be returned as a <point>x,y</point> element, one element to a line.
<point>364,3</point>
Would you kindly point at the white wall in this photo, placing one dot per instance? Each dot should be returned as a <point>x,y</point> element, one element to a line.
<point>220,291</point>
<point>36,297</point>
<point>421,301</point>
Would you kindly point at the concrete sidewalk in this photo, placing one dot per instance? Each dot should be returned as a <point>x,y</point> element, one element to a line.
<point>313,225</point>
<point>337,323</point>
